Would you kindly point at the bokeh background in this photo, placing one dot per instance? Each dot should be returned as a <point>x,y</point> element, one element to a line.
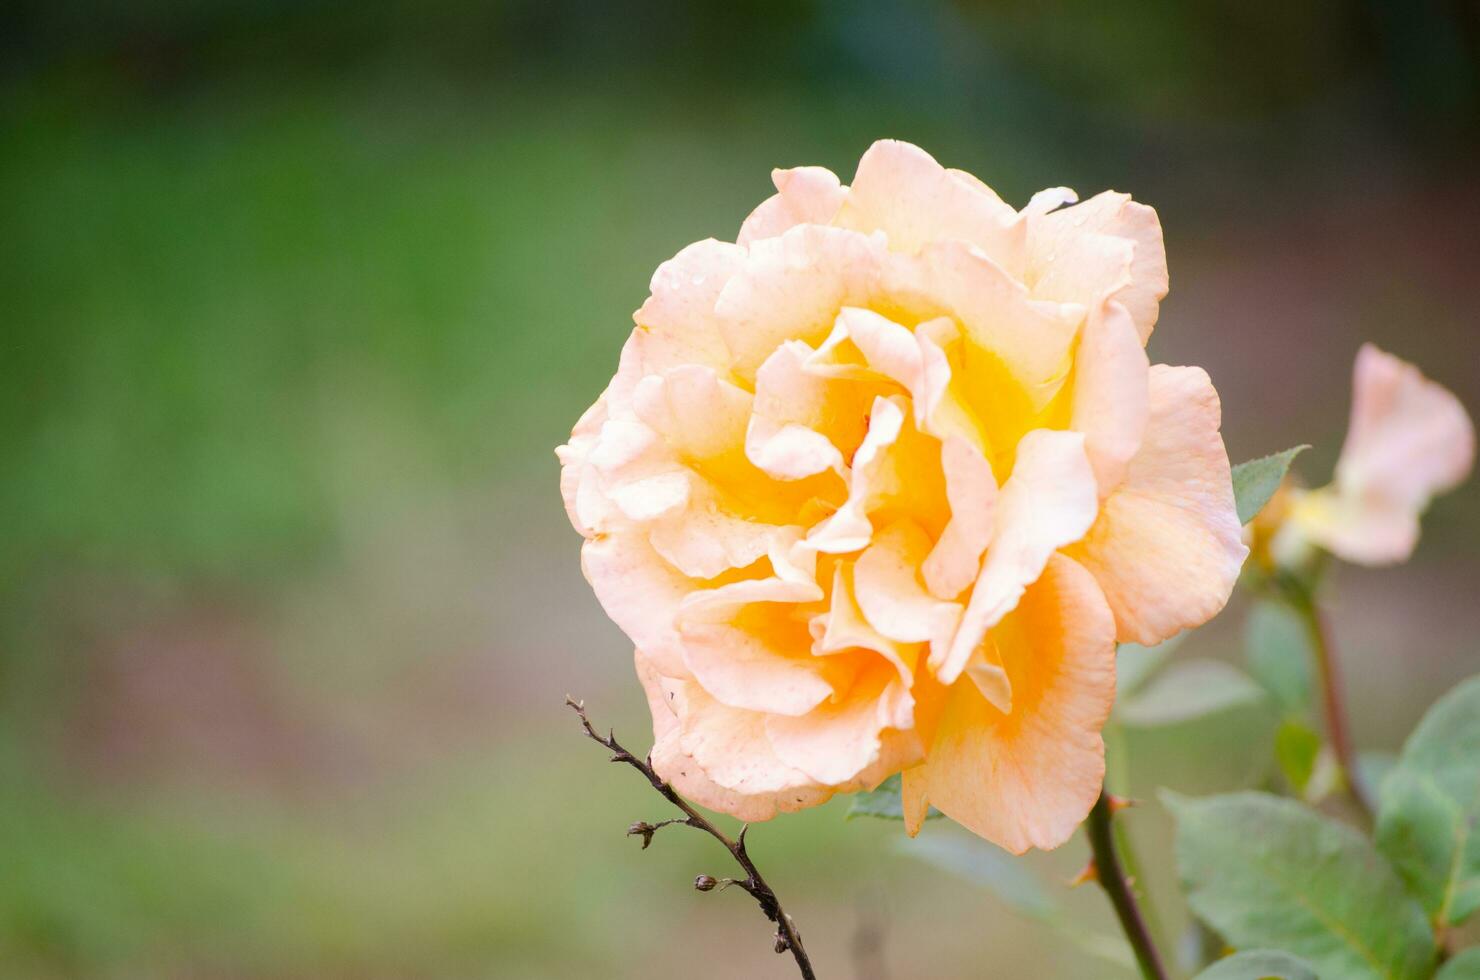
<point>296,298</point>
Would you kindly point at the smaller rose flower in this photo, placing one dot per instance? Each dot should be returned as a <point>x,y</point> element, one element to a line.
<point>1408,441</point>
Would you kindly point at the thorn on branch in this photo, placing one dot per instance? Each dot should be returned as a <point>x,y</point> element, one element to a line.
<point>1086,874</point>
<point>788,938</point>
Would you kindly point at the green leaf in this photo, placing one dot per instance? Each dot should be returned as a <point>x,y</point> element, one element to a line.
<point>1260,964</point>
<point>1296,746</point>
<point>984,864</point>
<point>1277,651</point>
<point>1372,768</point>
<point>1430,807</point>
<point>1269,872</point>
<point>1255,481</point>
<point>1134,664</point>
<point>1187,690</point>
<point>1465,966</point>
<point>1008,878</point>
<point>882,802</point>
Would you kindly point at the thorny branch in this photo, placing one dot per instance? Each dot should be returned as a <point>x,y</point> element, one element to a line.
<point>787,935</point>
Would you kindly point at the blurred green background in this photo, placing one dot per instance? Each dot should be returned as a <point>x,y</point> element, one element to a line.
<point>296,298</point>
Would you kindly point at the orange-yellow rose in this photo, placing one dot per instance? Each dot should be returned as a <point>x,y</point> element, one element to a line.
<point>878,487</point>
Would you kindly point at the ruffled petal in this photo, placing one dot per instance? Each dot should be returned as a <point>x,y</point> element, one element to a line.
<point>1079,254</point>
<point>1033,339</point>
<point>685,774</point>
<point>1167,547</point>
<point>956,558</point>
<point>1111,393</point>
<point>677,325</point>
<point>791,288</point>
<point>640,592</point>
<point>839,740</point>
<point>1409,437</point>
<point>699,414</point>
<point>900,190</point>
<point>889,591</point>
<point>803,424</point>
<point>1048,503</point>
<point>804,196</point>
<point>731,749</point>
<point>1028,778</point>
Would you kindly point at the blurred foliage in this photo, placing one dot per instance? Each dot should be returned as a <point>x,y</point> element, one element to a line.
<point>297,299</point>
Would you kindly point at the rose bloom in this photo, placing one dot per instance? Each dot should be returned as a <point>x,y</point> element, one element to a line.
<point>1408,440</point>
<point>877,488</point>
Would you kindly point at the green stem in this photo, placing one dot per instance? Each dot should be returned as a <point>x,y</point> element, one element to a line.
<point>1099,827</point>
<point>1333,702</point>
<point>1118,781</point>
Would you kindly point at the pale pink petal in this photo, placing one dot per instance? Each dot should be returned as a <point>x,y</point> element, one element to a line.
<point>1409,437</point>
<point>574,471</point>
<point>1048,502</point>
<point>838,740</point>
<point>1028,778</point>
<point>803,424</point>
<point>1071,260</point>
<point>1111,392</point>
<point>703,540</point>
<point>1048,199</point>
<point>971,489</point>
<point>867,346</point>
<point>887,585</point>
<point>791,288</point>
<point>804,196</point>
<point>699,414</point>
<point>900,189</point>
<point>1363,532</point>
<point>940,409</point>
<point>1167,546</point>
<point>730,747</point>
<point>793,579</point>
<point>685,775</point>
<point>677,325</point>
<point>743,669</point>
<point>640,592</point>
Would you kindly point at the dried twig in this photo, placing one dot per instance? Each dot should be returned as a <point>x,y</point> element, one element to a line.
<point>787,936</point>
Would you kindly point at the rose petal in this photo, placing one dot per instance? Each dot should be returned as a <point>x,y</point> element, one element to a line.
<point>1111,393</point>
<point>1167,547</point>
<point>971,489</point>
<point>685,775</point>
<point>1027,779</point>
<point>1033,339</point>
<point>791,288</point>
<point>889,591</point>
<point>803,424</point>
<point>731,748</point>
<point>900,189</point>
<point>1409,437</point>
<point>838,740</point>
<point>700,415</point>
<point>677,325</point>
<point>843,627</point>
<point>804,195</point>
<point>1049,502</point>
<point>1073,256</point>
<point>640,592</point>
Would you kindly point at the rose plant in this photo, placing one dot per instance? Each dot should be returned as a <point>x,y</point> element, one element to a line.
<point>877,489</point>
